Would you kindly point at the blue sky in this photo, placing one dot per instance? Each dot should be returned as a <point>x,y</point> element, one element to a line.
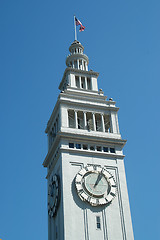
<point>122,41</point>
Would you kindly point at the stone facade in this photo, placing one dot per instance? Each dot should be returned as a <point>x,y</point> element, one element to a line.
<point>83,131</point>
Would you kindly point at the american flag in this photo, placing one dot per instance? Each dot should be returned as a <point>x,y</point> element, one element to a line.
<point>77,22</point>
<point>81,28</point>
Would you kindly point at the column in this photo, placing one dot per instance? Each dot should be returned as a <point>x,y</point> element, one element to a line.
<point>76,120</point>
<point>117,124</point>
<point>77,63</point>
<point>113,123</point>
<point>94,122</point>
<point>82,67</point>
<point>80,84</point>
<point>102,122</point>
<point>57,120</point>
<point>86,83</point>
<point>73,64</point>
<point>85,120</point>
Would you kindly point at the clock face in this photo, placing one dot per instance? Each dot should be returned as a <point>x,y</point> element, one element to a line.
<point>53,196</point>
<point>95,185</point>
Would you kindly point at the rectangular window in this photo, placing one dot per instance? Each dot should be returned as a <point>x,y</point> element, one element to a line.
<point>71,145</point>
<point>80,120</point>
<point>98,122</point>
<point>77,81</point>
<point>83,83</point>
<point>105,149</point>
<point>98,222</point>
<point>99,148</point>
<point>71,119</point>
<point>112,150</point>
<point>80,64</point>
<point>92,148</point>
<point>89,83</point>
<point>78,146</point>
<point>107,123</point>
<point>85,147</point>
<point>89,121</point>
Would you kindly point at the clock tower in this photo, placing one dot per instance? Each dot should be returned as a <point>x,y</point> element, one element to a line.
<point>87,191</point>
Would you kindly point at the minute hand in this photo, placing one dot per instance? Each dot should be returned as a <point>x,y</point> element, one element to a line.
<point>98,179</point>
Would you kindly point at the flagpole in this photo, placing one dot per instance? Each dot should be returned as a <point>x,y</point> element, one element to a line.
<point>75,28</point>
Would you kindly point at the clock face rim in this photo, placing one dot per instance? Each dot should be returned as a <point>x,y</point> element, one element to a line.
<point>93,199</point>
<point>55,187</point>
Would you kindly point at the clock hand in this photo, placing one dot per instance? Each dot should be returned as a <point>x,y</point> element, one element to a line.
<point>98,179</point>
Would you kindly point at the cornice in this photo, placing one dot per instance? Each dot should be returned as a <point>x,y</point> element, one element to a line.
<point>52,114</point>
<point>86,152</point>
<point>85,135</point>
<point>113,156</point>
<point>89,104</point>
<point>67,99</point>
<point>71,57</point>
<point>78,92</point>
<point>51,151</point>
<point>75,70</point>
<point>86,138</point>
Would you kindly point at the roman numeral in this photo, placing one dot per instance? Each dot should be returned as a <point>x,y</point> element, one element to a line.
<point>89,199</point>
<point>78,182</point>
<point>80,191</point>
<point>94,167</point>
<point>97,201</point>
<point>80,174</point>
<point>113,194</point>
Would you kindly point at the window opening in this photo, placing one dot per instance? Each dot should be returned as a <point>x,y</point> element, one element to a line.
<point>85,147</point>
<point>57,124</point>
<point>98,222</point>
<point>88,82</point>
<point>77,81</point>
<point>83,83</point>
<point>99,148</point>
<point>78,146</point>
<point>80,120</point>
<point>71,119</point>
<point>98,122</point>
<point>80,63</point>
<point>112,150</point>
<point>105,149</point>
<point>71,145</point>
<point>89,119</point>
<point>92,148</point>
<point>107,123</point>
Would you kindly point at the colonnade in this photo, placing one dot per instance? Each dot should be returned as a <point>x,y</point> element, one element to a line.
<point>89,121</point>
<point>79,64</point>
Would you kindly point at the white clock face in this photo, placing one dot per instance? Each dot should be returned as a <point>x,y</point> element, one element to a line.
<point>53,196</point>
<point>95,185</point>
